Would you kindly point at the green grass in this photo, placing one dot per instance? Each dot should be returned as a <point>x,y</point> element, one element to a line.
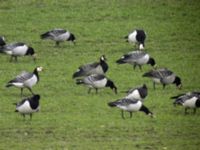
<point>69,117</point>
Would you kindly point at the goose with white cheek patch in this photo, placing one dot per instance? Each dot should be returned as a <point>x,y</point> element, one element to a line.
<point>139,93</point>
<point>100,67</point>
<point>28,106</point>
<point>97,81</point>
<point>130,105</point>
<point>190,100</point>
<point>137,58</point>
<point>18,49</point>
<point>59,35</point>
<point>137,37</point>
<point>163,76</point>
<point>2,41</point>
<point>26,80</point>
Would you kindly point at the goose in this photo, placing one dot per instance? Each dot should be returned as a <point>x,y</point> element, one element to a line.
<point>100,67</point>
<point>18,49</point>
<point>188,100</point>
<point>138,93</point>
<point>163,76</point>
<point>96,81</point>
<point>130,105</point>
<point>2,41</point>
<point>137,58</point>
<point>28,106</point>
<point>26,80</point>
<point>58,35</point>
<point>137,37</point>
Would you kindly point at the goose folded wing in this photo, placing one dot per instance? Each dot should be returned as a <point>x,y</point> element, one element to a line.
<point>22,77</point>
<point>57,32</point>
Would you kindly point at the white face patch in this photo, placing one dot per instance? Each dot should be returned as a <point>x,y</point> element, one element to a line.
<point>39,69</point>
<point>102,58</point>
<point>77,70</point>
<point>122,57</point>
<point>141,46</point>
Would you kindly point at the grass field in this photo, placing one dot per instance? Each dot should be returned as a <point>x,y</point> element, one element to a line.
<point>69,117</point>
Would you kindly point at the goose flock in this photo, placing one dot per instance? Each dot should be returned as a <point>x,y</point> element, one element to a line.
<point>93,75</point>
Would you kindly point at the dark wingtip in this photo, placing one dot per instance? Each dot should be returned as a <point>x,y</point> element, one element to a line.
<point>111,104</point>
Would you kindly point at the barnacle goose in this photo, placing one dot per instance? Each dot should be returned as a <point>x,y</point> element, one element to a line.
<point>26,80</point>
<point>100,67</point>
<point>188,100</point>
<point>18,49</point>
<point>28,106</point>
<point>137,37</point>
<point>137,58</point>
<point>163,76</point>
<point>58,35</point>
<point>96,81</point>
<point>130,105</point>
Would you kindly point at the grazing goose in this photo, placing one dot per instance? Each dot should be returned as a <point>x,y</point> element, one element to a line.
<point>188,100</point>
<point>138,93</point>
<point>137,58</point>
<point>2,41</point>
<point>130,106</point>
<point>100,67</point>
<point>59,35</point>
<point>28,106</point>
<point>137,37</point>
<point>26,80</point>
<point>18,49</point>
<point>163,76</point>
<point>96,81</point>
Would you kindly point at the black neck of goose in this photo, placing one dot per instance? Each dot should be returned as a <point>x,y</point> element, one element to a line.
<point>34,103</point>
<point>30,51</point>
<point>198,103</point>
<point>145,110</point>
<point>104,65</point>
<point>36,73</point>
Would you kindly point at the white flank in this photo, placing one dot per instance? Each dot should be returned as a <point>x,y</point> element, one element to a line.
<point>190,103</point>
<point>31,82</point>
<point>20,50</point>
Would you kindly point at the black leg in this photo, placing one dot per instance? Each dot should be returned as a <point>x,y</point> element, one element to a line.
<point>131,114</point>
<point>31,91</point>
<point>11,58</point>
<point>15,58</point>
<point>23,116</point>
<point>30,116</point>
<point>134,66</point>
<point>185,111</point>
<point>21,92</point>
<point>57,43</point>
<point>140,67</point>
<point>96,90</point>
<point>194,111</point>
<point>122,113</point>
<point>164,86</point>
<point>154,85</point>
<point>89,90</point>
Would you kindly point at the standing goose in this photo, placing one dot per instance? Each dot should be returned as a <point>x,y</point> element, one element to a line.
<point>28,106</point>
<point>18,49</point>
<point>2,41</point>
<point>26,80</point>
<point>138,93</point>
<point>137,58</point>
<point>100,67</point>
<point>188,100</point>
<point>130,106</point>
<point>137,37</point>
<point>58,35</point>
<point>96,81</point>
<point>163,76</point>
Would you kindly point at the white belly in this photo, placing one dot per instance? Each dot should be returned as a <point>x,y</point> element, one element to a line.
<point>190,103</point>
<point>31,82</point>
<point>26,109</point>
<point>143,60</point>
<point>20,50</point>
<point>62,37</point>
<point>131,107</point>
